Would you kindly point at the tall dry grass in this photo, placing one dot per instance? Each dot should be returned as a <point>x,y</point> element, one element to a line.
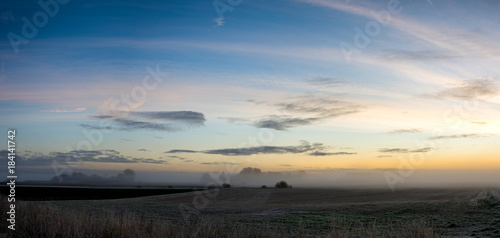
<point>41,220</point>
<point>413,229</point>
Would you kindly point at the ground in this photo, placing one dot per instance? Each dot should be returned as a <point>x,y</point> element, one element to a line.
<point>472,212</point>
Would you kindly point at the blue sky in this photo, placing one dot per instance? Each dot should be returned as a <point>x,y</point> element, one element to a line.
<point>272,79</point>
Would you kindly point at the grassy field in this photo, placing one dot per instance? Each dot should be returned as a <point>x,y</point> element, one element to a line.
<point>244,212</point>
<point>41,193</point>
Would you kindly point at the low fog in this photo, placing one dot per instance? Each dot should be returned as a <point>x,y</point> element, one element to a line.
<point>254,177</point>
<point>339,178</point>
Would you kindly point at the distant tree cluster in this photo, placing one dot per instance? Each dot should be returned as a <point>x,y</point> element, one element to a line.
<point>257,171</point>
<point>128,176</point>
<point>251,174</point>
<point>250,170</point>
<point>282,184</point>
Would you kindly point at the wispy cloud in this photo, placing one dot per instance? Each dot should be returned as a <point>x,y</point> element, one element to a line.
<point>181,151</point>
<point>430,2</point>
<point>470,89</point>
<point>130,125</point>
<point>315,149</point>
<point>328,82</point>
<point>219,22</point>
<point>319,153</point>
<point>234,119</point>
<point>283,122</point>
<point>305,110</point>
<point>324,80</point>
<point>219,163</point>
<point>176,157</point>
<point>402,131</point>
<point>78,109</point>
<point>188,117</point>
<point>304,147</point>
<point>461,43</point>
<point>384,156</point>
<point>159,121</point>
<point>393,150</point>
<point>421,150</point>
<point>394,55</point>
<point>458,136</point>
<point>325,106</point>
<point>402,150</point>
<point>76,156</point>
<point>92,127</point>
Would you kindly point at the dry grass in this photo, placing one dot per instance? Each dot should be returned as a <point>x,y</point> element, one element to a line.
<point>41,220</point>
<point>415,229</point>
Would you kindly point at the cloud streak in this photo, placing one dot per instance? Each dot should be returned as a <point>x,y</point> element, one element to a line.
<point>319,153</point>
<point>315,149</point>
<point>328,82</point>
<point>78,109</point>
<point>466,44</point>
<point>470,89</point>
<point>218,163</point>
<point>219,22</point>
<point>188,117</point>
<point>404,131</point>
<point>305,110</point>
<point>77,156</point>
<point>458,136</point>
<point>181,151</point>
<point>402,150</point>
<point>282,123</point>
<point>169,121</point>
<point>394,55</point>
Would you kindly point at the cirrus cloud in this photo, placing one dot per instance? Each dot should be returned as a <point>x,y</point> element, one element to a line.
<point>169,121</point>
<point>315,149</point>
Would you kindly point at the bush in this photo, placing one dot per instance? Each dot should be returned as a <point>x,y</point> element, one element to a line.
<point>263,186</point>
<point>226,185</point>
<point>282,184</point>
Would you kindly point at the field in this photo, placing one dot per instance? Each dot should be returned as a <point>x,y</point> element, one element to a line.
<point>39,193</point>
<point>297,212</point>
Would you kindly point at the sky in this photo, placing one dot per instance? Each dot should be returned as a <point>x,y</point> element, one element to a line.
<point>285,85</point>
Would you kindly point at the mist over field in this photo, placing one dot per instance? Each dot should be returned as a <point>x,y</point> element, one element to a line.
<point>341,178</point>
<point>332,178</point>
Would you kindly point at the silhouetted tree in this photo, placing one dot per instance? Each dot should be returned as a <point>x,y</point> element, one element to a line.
<point>226,185</point>
<point>250,170</point>
<point>282,184</point>
<point>128,175</point>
